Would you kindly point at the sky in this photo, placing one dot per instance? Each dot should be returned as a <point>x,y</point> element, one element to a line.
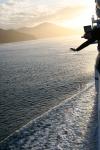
<point>25,13</point>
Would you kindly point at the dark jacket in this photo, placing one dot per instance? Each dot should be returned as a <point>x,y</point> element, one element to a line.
<point>95,33</point>
<point>98,63</point>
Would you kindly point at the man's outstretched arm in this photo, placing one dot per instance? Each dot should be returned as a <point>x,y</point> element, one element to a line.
<point>85,44</point>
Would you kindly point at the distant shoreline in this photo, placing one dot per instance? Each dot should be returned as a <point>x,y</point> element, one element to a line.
<point>41,31</point>
<point>44,38</point>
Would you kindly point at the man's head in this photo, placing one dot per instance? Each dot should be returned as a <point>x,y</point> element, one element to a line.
<point>97,3</point>
<point>97,8</point>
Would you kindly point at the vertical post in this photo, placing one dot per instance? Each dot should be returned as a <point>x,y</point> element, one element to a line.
<point>92,21</point>
<point>98,100</point>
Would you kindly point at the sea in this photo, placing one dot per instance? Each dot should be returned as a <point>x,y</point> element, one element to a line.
<point>38,75</point>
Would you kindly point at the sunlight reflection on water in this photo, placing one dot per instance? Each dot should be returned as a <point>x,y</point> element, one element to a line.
<point>37,75</point>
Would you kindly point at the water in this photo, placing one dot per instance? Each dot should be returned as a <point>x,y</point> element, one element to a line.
<point>37,75</point>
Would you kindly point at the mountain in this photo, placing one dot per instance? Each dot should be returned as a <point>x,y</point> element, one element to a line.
<point>7,36</point>
<point>46,29</point>
<point>43,30</point>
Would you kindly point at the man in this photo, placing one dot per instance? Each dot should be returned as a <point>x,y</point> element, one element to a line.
<point>92,36</point>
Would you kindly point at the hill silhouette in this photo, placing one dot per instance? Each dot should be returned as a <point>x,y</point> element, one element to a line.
<point>7,36</point>
<point>46,29</point>
<point>43,30</point>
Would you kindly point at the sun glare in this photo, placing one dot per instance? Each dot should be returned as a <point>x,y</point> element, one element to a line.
<point>81,20</point>
<point>78,21</point>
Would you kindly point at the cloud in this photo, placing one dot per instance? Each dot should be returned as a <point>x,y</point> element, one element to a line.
<point>16,13</point>
<point>69,12</point>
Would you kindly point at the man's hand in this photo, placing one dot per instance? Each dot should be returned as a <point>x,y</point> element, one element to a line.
<point>73,49</point>
<point>87,35</point>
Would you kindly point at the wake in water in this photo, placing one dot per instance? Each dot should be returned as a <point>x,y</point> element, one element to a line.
<point>71,125</point>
